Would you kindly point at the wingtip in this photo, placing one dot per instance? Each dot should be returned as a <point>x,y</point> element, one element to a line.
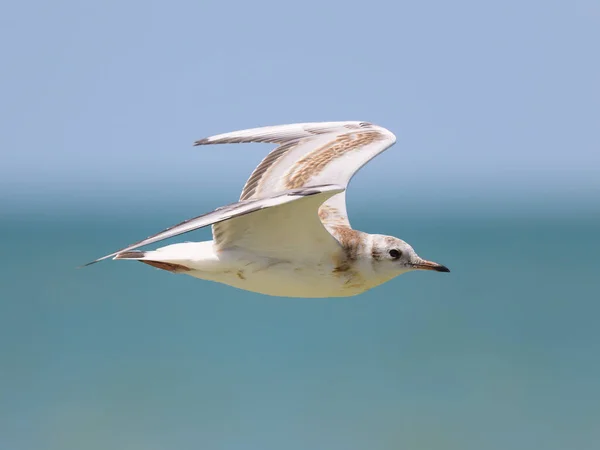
<point>96,261</point>
<point>86,264</point>
<point>201,142</point>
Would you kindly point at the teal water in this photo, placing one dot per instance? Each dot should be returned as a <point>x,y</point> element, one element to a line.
<point>501,353</point>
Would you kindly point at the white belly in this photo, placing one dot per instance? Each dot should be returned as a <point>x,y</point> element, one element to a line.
<point>261,274</point>
<point>285,280</point>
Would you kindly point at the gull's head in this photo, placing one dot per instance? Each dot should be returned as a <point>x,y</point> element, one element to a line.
<point>394,256</point>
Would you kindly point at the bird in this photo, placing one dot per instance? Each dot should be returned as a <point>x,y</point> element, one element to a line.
<point>289,234</point>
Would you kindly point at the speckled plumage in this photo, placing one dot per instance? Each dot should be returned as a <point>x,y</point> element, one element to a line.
<point>289,235</point>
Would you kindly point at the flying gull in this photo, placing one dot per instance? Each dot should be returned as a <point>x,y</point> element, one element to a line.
<point>289,234</point>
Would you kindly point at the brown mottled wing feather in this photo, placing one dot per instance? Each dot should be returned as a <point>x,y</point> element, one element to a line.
<point>310,154</point>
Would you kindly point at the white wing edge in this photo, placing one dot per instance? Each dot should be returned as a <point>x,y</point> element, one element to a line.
<point>282,133</point>
<point>228,212</point>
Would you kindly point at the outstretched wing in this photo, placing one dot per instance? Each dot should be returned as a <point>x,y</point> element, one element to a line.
<point>272,226</point>
<point>310,154</point>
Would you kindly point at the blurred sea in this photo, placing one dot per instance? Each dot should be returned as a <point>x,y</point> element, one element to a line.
<point>502,353</point>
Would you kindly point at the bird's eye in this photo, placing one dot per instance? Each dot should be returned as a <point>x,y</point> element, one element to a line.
<point>395,253</point>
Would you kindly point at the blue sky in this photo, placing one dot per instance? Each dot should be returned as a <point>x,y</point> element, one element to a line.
<point>488,99</point>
